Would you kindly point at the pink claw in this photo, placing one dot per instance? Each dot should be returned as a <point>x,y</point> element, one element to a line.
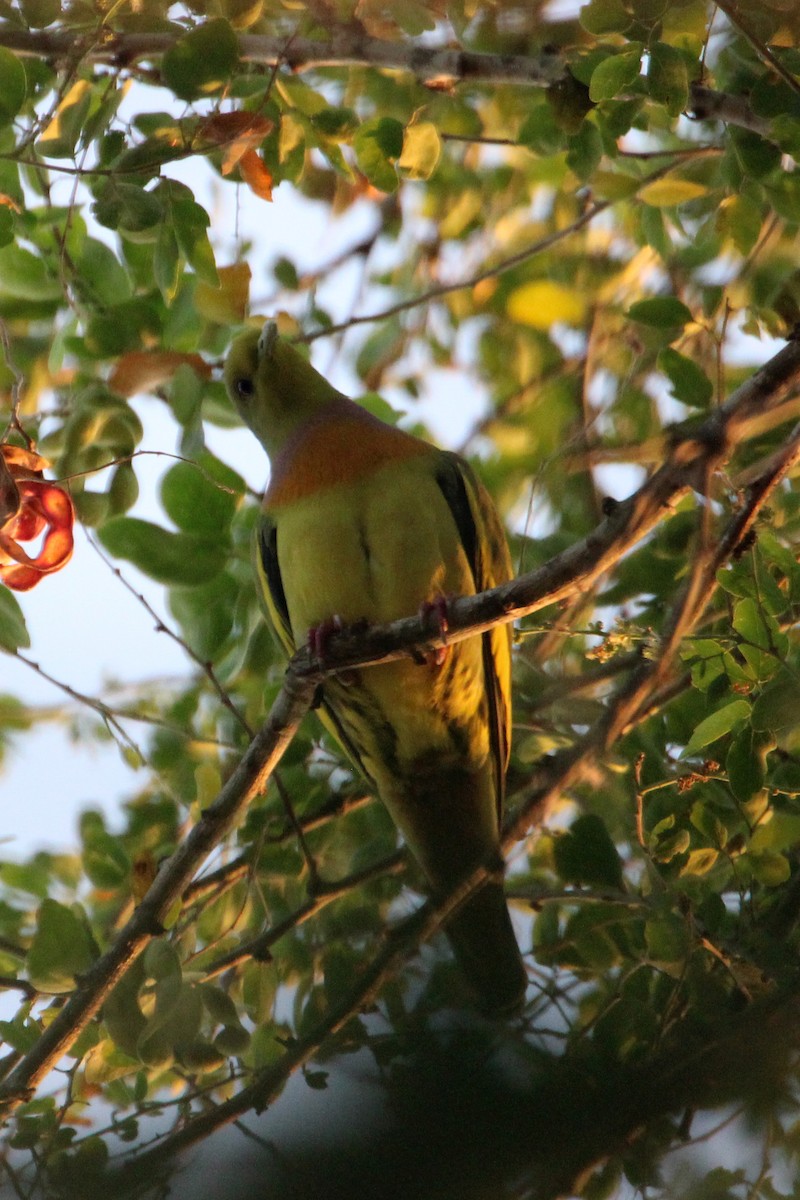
<point>320,635</point>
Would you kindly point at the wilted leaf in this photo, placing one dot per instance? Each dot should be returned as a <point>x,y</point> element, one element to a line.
<point>227,303</point>
<point>145,370</point>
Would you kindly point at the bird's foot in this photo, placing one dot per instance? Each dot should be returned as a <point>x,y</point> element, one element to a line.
<point>434,613</point>
<point>320,635</point>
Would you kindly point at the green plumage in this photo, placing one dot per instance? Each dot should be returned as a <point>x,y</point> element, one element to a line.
<point>365,522</point>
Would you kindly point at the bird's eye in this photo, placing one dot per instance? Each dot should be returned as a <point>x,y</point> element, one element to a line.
<point>244,388</point>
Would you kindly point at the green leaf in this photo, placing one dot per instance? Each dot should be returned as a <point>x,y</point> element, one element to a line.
<point>180,559</point>
<point>770,868</point>
<point>778,706</point>
<point>378,144</point>
<point>104,858</point>
<point>206,613</point>
<point>7,226</point>
<point>13,630</point>
<point>717,725</point>
<point>762,640</point>
<point>13,86</point>
<point>706,821</point>
<point>586,854</point>
<point>778,831</point>
<point>745,764</point>
<point>670,847</point>
<point>667,939</point>
<point>202,499</point>
<point>130,209</point>
<point>605,16</point>
<point>668,78</point>
<point>414,17</point>
<point>62,947</point>
<point>167,261</point>
<point>335,123</point>
<point>61,135</point>
<point>663,312</point>
<point>540,131</point>
<point>585,151</point>
<point>201,61</point>
<point>737,579</point>
<point>190,223</point>
<point>39,13</point>
<point>25,276</point>
<point>616,73</point>
<point>690,384</point>
<point>756,156</point>
<point>700,862</point>
<point>102,275</point>
<point>786,778</point>
<point>739,219</point>
<point>748,622</point>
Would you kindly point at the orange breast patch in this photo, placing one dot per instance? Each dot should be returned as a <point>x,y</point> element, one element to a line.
<point>334,452</point>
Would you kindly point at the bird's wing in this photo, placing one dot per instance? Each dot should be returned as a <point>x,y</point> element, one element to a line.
<point>268,574</point>
<point>484,542</point>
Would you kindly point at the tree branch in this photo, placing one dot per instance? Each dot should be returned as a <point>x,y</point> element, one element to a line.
<point>441,66</point>
<point>555,775</point>
<point>766,397</point>
<point>769,397</point>
<point>246,782</point>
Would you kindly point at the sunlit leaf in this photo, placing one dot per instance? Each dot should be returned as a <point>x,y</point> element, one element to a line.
<point>541,303</point>
<point>717,725</point>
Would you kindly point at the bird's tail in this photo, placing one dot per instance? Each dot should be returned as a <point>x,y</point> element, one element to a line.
<point>485,945</point>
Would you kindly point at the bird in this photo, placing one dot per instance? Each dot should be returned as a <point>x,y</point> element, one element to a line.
<point>364,522</point>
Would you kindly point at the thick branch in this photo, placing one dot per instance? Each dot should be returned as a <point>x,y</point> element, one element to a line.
<point>767,398</point>
<point>247,781</point>
<point>346,48</point>
<point>555,774</point>
<point>440,65</point>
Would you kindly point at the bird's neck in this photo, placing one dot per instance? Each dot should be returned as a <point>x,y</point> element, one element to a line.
<point>337,444</point>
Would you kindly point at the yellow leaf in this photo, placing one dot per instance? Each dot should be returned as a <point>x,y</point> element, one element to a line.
<point>421,149</point>
<point>666,193</point>
<point>226,304</point>
<point>466,208</point>
<point>72,99</point>
<point>543,303</point>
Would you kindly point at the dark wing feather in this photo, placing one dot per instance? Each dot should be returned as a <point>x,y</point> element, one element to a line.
<point>268,573</point>
<point>485,545</point>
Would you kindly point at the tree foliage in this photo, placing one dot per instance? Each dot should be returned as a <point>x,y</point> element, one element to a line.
<point>585,216</point>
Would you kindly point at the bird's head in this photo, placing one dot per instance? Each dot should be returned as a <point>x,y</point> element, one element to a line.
<point>272,386</point>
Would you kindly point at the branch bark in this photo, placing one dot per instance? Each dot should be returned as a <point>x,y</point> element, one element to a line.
<point>768,396</point>
<point>246,782</point>
<point>440,66</point>
<point>554,775</point>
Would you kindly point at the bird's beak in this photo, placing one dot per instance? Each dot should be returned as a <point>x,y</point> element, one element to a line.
<point>268,339</point>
